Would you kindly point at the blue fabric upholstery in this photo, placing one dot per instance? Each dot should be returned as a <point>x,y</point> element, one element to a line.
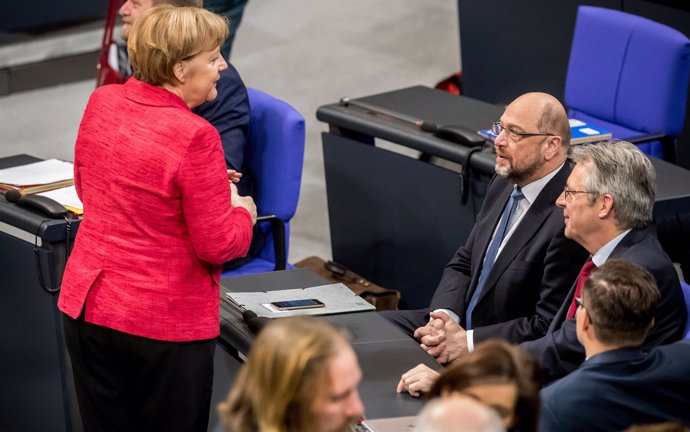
<point>275,154</point>
<point>628,74</point>
<point>686,294</point>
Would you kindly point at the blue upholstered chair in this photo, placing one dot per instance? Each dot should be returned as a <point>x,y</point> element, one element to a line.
<point>275,155</point>
<point>686,294</point>
<point>629,75</point>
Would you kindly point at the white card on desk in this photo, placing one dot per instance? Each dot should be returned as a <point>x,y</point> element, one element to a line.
<point>337,298</point>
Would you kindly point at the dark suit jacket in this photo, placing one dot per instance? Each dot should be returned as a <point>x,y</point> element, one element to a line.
<point>559,352</point>
<point>616,389</point>
<point>229,114</point>
<point>531,275</point>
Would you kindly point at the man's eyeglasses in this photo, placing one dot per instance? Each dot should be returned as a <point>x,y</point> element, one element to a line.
<point>515,136</point>
<point>569,193</point>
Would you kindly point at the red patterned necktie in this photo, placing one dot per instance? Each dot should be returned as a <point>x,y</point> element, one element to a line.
<point>581,279</point>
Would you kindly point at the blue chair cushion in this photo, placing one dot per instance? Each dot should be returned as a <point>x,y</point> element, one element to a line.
<point>652,148</point>
<point>686,294</point>
<point>275,155</point>
<point>629,70</point>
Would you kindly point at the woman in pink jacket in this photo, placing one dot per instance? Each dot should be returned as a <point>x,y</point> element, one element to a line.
<point>140,293</point>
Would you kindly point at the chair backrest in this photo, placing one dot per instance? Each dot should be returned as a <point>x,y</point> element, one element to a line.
<point>686,294</point>
<point>275,155</point>
<point>628,71</point>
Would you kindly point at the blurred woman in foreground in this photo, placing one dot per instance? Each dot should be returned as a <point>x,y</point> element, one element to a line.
<point>496,374</point>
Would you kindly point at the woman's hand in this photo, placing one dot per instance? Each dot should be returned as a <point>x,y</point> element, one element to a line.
<point>234,176</point>
<point>236,200</point>
<point>417,380</point>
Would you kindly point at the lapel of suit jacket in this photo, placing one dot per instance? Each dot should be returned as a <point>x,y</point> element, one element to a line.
<point>562,313</point>
<point>494,202</point>
<point>529,226</point>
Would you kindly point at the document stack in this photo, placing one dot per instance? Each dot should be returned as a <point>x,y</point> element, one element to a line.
<point>52,178</point>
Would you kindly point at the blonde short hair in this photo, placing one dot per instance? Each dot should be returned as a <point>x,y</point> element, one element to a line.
<point>165,35</point>
<point>275,390</point>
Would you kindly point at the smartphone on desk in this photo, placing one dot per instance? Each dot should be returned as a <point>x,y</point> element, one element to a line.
<point>298,304</point>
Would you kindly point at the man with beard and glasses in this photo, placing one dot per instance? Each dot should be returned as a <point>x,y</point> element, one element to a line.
<point>510,277</point>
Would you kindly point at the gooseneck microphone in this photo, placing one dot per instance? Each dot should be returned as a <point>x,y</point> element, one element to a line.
<point>255,322</point>
<point>13,195</point>
<point>423,125</point>
<point>38,203</point>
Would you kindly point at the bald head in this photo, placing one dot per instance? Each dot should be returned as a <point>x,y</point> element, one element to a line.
<point>547,111</point>
<point>457,414</point>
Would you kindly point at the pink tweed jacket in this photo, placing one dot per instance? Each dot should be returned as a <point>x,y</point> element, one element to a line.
<point>158,222</point>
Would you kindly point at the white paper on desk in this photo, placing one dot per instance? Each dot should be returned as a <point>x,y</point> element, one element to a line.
<point>66,196</point>
<point>48,171</point>
<point>337,298</point>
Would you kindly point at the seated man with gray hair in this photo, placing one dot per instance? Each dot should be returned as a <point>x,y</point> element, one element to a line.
<point>607,206</point>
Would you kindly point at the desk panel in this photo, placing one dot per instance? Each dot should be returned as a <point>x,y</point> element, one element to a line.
<point>383,350</point>
<point>33,359</point>
<point>382,365</point>
<point>397,226</point>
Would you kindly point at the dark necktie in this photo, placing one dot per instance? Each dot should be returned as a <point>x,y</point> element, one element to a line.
<point>581,279</point>
<point>492,251</point>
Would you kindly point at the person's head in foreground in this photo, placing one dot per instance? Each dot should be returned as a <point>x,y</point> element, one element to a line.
<point>617,307</point>
<point>670,426</point>
<point>131,10</point>
<point>178,49</point>
<point>458,414</point>
<point>498,375</point>
<point>301,375</point>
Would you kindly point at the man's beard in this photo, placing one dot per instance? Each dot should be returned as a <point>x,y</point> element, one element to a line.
<point>515,176</point>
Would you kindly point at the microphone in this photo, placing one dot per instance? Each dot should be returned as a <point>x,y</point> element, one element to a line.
<point>423,125</point>
<point>255,322</point>
<point>13,195</point>
<point>41,204</point>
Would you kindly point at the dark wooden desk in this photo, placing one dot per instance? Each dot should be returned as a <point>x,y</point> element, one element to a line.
<point>383,350</point>
<point>397,220</point>
<point>33,360</point>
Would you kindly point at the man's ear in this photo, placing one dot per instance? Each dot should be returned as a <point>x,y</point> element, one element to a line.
<point>553,144</point>
<point>605,203</point>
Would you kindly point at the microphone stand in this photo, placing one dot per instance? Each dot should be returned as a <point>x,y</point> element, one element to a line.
<point>423,125</point>
<point>255,322</point>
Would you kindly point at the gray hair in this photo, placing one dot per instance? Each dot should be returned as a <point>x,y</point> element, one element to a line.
<point>458,414</point>
<point>621,170</point>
